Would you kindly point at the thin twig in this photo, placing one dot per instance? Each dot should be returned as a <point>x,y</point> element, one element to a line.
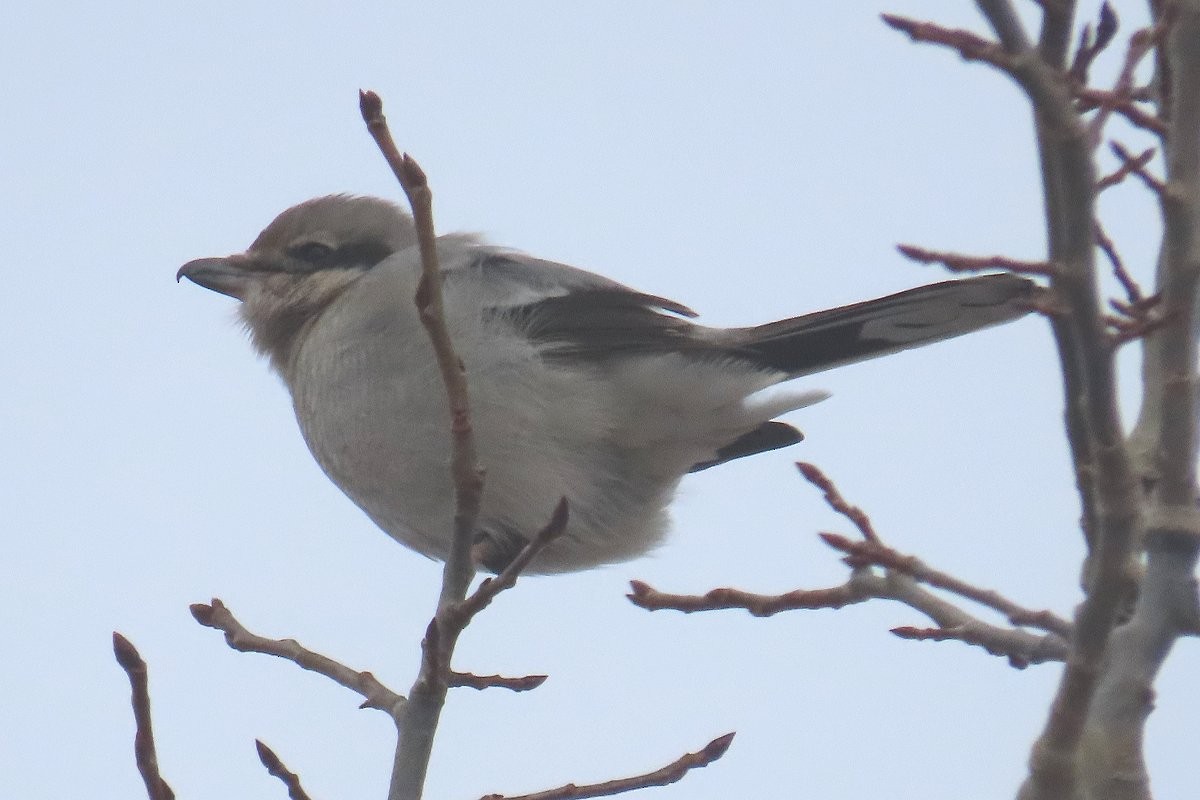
<point>462,613</point>
<point>1020,647</point>
<point>1127,168</point>
<point>1126,106</point>
<point>419,720</point>
<point>276,768</point>
<point>375,694</point>
<point>523,683</point>
<point>1127,330</point>
<point>1059,19</point>
<point>958,262</point>
<point>450,621</point>
<point>900,582</point>
<point>1136,166</point>
<point>1140,43</point>
<point>834,498</point>
<point>1132,290</point>
<point>861,554</point>
<point>468,478</point>
<point>669,774</point>
<point>143,738</point>
<point>970,46</point>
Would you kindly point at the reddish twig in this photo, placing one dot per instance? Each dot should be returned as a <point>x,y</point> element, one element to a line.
<point>478,600</point>
<point>469,680</point>
<point>1126,330</point>
<point>958,262</point>
<point>1020,647</point>
<point>418,721</point>
<point>450,620</point>
<point>375,694</point>
<point>835,500</point>
<point>1119,99</point>
<point>645,596</point>
<point>669,774</point>
<point>863,554</point>
<point>143,738</point>
<point>1126,106</point>
<point>1132,290</point>
<point>970,46</point>
<point>967,634</point>
<point>1127,159</point>
<point>901,581</point>
<point>276,768</point>
<point>468,477</point>
<point>1126,169</point>
<point>1089,47</point>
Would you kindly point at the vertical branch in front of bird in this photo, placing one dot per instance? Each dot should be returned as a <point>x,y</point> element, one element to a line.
<point>465,470</point>
<point>1164,440</point>
<point>418,719</point>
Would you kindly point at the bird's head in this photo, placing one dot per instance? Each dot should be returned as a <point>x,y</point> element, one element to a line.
<point>301,262</point>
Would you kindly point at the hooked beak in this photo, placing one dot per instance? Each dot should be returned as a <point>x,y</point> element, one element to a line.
<point>229,276</point>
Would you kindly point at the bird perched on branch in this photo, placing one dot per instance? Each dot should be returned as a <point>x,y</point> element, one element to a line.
<point>581,388</point>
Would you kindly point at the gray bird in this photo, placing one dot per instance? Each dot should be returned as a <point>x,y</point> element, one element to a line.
<point>580,387</point>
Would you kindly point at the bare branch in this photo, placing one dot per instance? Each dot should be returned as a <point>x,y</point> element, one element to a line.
<point>862,554</point>
<point>461,614</point>
<point>1165,440</point>
<point>1135,165</point>
<point>1140,43</point>
<point>1089,48</point>
<point>970,46</point>
<point>275,768</point>
<point>143,739</point>
<point>900,582</point>
<point>419,718</point>
<point>957,262</point>
<point>997,641</point>
<point>451,620</point>
<point>646,596</point>
<point>1132,290</point>
<point>375,694</point>
<point>835,500</point>
<point>1131,329</point>
<point>1003,18</point>
<point>1126,106</point>
<point>1127,168</point>
<point>1104,474</point>
<point>1020,647</point>
<point>469,680</point>
<point>468,478</point>
<point>669,774</point>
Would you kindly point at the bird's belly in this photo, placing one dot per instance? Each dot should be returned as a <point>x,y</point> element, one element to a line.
<point>378,425</point>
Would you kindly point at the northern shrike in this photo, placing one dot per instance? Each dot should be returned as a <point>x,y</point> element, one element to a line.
<point>580,387</point>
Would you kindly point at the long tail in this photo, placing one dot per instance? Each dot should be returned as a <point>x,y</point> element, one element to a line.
<point>827,339</point>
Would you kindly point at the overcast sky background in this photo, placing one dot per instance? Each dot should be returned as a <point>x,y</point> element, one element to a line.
<point>754,161</point>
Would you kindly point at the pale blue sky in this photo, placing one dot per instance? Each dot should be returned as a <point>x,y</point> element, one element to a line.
<point>754,161</point>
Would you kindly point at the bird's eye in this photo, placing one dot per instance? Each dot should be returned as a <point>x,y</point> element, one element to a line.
<point>313,252</point>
